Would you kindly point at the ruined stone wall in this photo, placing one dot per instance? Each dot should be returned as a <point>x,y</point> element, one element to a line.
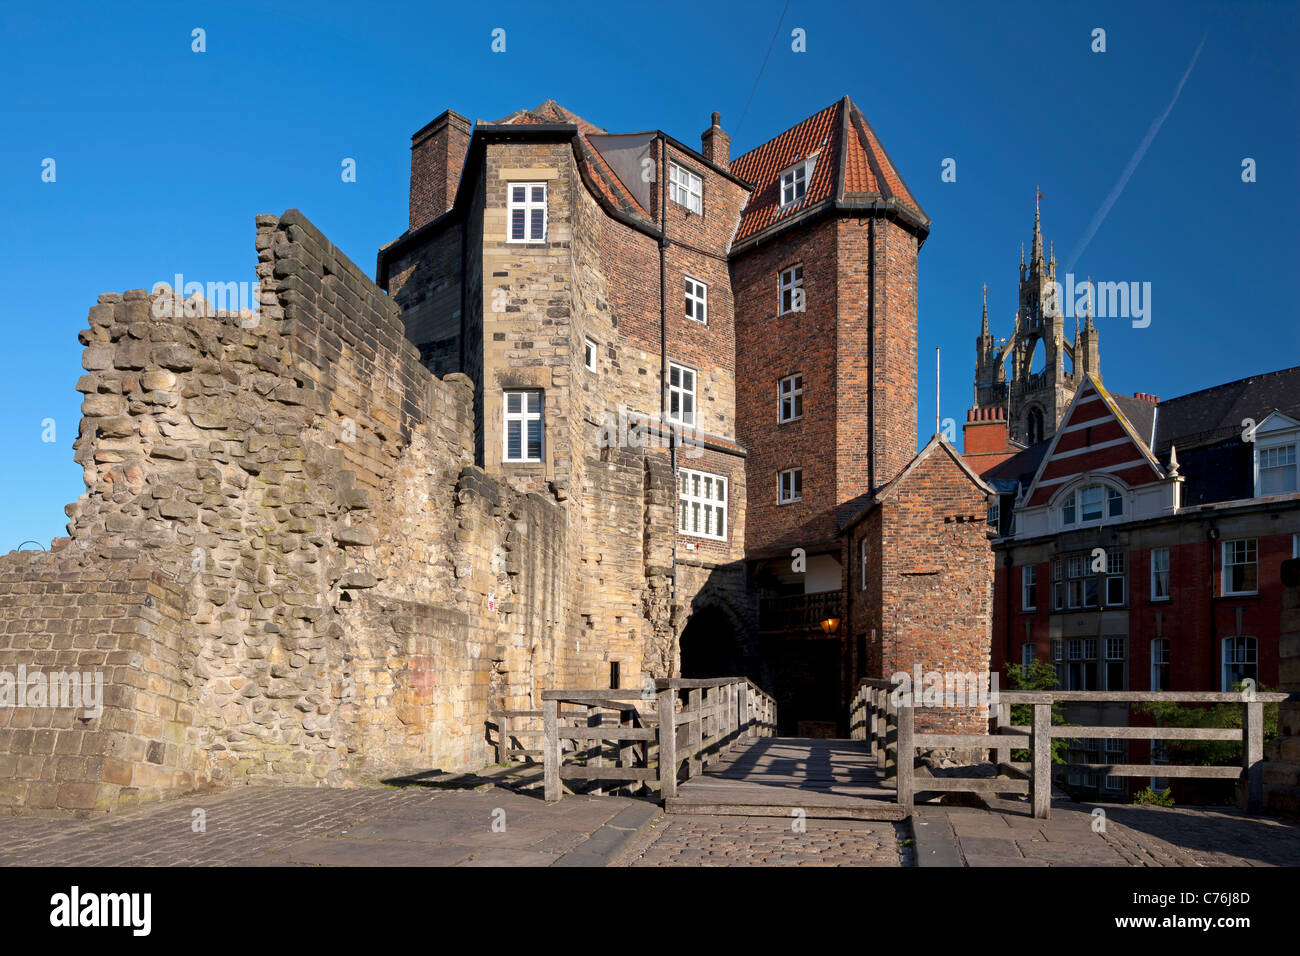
<point>72,615</point>
<point>347,595</point>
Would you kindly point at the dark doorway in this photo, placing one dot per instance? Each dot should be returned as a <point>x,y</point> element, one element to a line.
<point>808,686</point>
<point>709,646</point>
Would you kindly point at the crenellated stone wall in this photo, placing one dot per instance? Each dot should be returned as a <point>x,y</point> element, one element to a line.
<point>318,584</point>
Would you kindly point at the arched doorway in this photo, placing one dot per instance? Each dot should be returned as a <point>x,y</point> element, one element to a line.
<point>710,645</point>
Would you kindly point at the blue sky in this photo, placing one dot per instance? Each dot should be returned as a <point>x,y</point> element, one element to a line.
<point>163,156</point>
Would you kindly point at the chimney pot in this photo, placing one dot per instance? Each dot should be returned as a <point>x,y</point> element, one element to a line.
<point>715,145</point>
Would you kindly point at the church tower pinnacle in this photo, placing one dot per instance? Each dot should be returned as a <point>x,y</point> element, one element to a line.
<point>1038,386</point>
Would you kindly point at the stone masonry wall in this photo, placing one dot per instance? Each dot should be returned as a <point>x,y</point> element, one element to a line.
<point>338,592</point>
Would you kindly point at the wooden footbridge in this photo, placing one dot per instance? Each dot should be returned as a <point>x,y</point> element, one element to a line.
<point>722,755</point>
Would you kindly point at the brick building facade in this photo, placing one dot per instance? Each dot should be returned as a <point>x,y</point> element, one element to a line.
<point>1140,548</point>
<point>763,310</point>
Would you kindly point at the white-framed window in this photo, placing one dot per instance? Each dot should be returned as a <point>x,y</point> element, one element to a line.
<point>789,486</point>
<point>1160,574</point>
<point>1028,654</point>
<point>1079,587</point>
<point>1091,504</point>
<point>1029,587</point>
<point>789,399</point>
<point>1160,664</point>
<point>524,420</point>
<point>1076,663</point>
<point>1116,753</point>
<point>1276,469</point>
<point>589,354</point>
<point>1115,578</point>
<point>790,288</point>
<point>862,565</point>
<point>1116,650</point>
<point>995,514</point>
<point>697,301</point>
<point>1240,567</point>
<point>1240,661</point>
<point>527,208</point>
<point>1058,585</point>
<point>681,394</point>
<point>685,188</point>
<point>702,504</point>
<point>794,181</point>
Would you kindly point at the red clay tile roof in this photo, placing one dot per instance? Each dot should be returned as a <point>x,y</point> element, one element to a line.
<point>549,112</point>
<point>841,139</point>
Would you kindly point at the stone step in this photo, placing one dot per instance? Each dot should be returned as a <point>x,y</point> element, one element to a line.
<point>855,810</point>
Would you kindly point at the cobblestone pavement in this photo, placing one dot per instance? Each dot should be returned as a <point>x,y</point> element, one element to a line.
<point>686,840</point>
<point>412,826</point>
<point>1132,836</point>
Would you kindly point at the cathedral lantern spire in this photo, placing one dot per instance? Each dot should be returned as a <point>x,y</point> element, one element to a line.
<point>1036,255</point>
<point>984,325</point>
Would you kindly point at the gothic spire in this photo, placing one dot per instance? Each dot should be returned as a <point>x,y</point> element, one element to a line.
<point>984,326</point>
<point>1036,256</point>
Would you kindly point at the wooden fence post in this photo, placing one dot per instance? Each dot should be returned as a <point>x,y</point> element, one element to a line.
<point>1001,752</point>
<point>695,729</point>
<point>887,760</point>
<point>503,738</point>
<point>742,709</point>
<point>1041,741</point>
<point>667,744</point>
<point>1252,756</point>
<point>906,758</point>
<point>551,750</point>
<point>596,748</point>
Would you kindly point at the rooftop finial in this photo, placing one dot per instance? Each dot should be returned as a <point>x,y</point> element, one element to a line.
<point>984,327</point>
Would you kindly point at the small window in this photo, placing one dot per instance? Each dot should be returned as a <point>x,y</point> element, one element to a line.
<point>523,426</point>
<point>1160,574</point>
<point>1239,661</point>
<point>589,355</point>
<point>1240,571</point>
<point>789,398</point>
<point>1160,664</point>
<point>862,564</point>
<point>613,675</point>
<point>794,182</point>
<point>686,189</point>
<point>702,504</point>
<point>994,516</point>
<point>1029,587</point>
<point>527,207</point>
<point>791,290</point>
<point>1116,655</point>
<point>1115,578</point>
<point>697,301</point>
<point>681,394</point>
<point>1028,654</point>
<point>1058,586</point>
<point>789,486</point>
<point>1277,469</point>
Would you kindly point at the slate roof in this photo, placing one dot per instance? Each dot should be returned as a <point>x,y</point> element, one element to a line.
<point>1213,414</point>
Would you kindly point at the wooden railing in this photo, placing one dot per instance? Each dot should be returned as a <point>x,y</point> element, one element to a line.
<point>706,719</point>
<point>889,728</point>
<point>798,611</point>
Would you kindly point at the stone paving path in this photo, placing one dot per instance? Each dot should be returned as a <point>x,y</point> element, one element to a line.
<point>412,826</point>
<point>689,840</point>
<point>1132,836</point>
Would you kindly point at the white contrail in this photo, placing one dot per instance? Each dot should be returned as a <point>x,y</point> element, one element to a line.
<point>1136,158</point>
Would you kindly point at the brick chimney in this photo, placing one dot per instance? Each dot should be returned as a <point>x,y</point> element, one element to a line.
<point>437,155</point>
<point>715,144</point>
<point>985,432</point>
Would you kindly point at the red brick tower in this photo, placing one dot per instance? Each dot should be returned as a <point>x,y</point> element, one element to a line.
<point>824,276</point>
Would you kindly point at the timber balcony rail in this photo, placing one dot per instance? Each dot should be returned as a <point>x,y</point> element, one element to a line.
<point>608,735</point>
<point>798,612</point>
<point>889,730</point>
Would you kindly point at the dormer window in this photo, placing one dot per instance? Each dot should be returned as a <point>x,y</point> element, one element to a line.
<point>1277,469</point>
<point>794,181</point>
<point>685,188</point>
<point>1091,504</point>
